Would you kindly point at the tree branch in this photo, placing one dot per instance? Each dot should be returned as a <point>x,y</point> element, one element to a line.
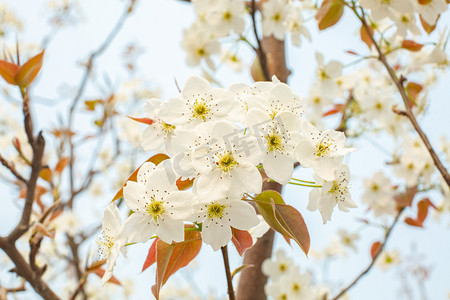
<point>408,112</point>
<point>226,263</point>
<point>372,263</point>
<point>12,169</point>
<point>259,51</point>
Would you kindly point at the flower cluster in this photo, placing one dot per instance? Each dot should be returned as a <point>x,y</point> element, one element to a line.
<point>224,141</point>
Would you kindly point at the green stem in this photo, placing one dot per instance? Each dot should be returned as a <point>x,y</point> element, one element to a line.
<point>307,185</point>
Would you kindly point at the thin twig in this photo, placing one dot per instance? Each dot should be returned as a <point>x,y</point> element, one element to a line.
<point>372,263</point>
<point>408,110</point>
<point>226,263</point>
<point>83,84</point>
<point>12,169</point>
<point>260,51</point>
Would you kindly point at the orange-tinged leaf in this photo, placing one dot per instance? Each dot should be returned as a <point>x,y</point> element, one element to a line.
<point>8,71</point>
<point>62,163</point>
<point>184,184</point>
<point>405,199</point>
<point>239,269</point>
<point>329,13</point>
<point>428,27</point>
<point>413,89</point>
<point>172,257</point>
<point>96,265</point>
<point>151,256</point>
<point>412,222</point>
<point>424,2</point>
<point>46,174</point>
<point>29,70</point>
<point>90,104</point>
<point>376,247</point>
<point>411,45</point>
<point>147,121</point>
<point>331,112</point>
<point>365,36</point>
<point>241,239</point>
<point>40,190</point>
<point>100,272</point>
<point>422,211</point>
<point>156,159</point>
<point>283,218</point>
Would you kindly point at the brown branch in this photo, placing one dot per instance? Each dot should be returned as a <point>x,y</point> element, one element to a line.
<point>23,269</point>
<point>372,263</point>
<point>12,169</point>
<point>28,122</point>
<point>345,116</point>
<point>226,263</point>
<point>36,165</point>
<point>408,110</point>
<point>260,50</point>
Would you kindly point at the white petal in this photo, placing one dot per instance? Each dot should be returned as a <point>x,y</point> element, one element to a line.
<point>242,215</point>
<point>144,171</point>
<point>138,228</point>
<point>170,230</point>
<point>195,84</point>
<point>111,220</point>
<point>216,235</point>
<point>153,138</point>
<point>245,178</point>
<point>181,205</point>
<point>212,186</point>
<point>134,194</point>
<point>175,111</point>
<point>278,166</point>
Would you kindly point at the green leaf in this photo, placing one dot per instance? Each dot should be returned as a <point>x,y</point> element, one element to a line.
<point>329,13</point>
<point>283,218</point>
<point>172,257</point>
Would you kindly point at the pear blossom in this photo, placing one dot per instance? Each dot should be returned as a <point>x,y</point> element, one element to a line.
<point>409,168</point>
<point>404,23</point>
<point>197,103</point>
<point>294,25</point>
<point>218,216</point>
<point>277,266</point>
<point>111,241</point>
<point>274,14</point>
<point>227,15</point>
<point>199,45</point>
<point>159,132</point>
<point>224,159</point>
<point>348,239</point>
<point>332,193</point>
<point>387,259</point>
<point>279,137</point>
<point>379,195</point>
<point>327,74</point>
<point>321,150</point>
<point>159,208</point>
<point>381,8</point>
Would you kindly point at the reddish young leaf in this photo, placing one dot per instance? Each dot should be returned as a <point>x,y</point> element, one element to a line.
<point>365,36</point>
<point>100,272</point>
<point>172,257</point>
<point>413,89</point>
<point>62,163</point>
<point>96,265</point>
<point>241,239</point>
<point>156,159</point>
<point>405,199</point>
<point>283,218</point>
<point>412,222</point>
<point>428,27</point>
<point>184,184</point>
<point>151,256</point>
<point>142,120</point>
<point>376,247</point>
<point>329,13</point>
<point>29,70</point>
<point>332,111</point>
<point>293,222</point>
<point>8,71</point>
<point>411,45</point>
<point>352,52</point>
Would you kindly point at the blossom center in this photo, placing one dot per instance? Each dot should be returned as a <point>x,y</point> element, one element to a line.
<point>274,142</point>
<point>227,15</point>
<point>105,243</point>
<point>155,209</point>
<point>216,210</point>
<point>226,162</point>
<point>167,128</point>
<point>200,110</point>
<point>296,287</point>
